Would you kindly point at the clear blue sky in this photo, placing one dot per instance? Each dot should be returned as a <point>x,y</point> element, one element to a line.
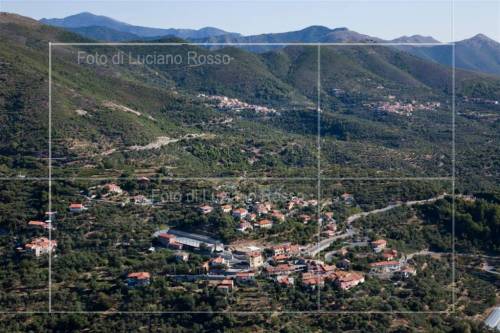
<point>384,19</point>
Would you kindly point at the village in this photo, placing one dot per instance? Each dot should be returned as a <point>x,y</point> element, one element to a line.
<point>234,104</point>
<point>235,265</point>
<point>401,108</point>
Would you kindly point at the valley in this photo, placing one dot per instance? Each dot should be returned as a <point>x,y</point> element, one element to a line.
<point>349,180</point>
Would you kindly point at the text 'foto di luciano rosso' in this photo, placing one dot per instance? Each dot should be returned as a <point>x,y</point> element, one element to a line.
<point>189,58</point>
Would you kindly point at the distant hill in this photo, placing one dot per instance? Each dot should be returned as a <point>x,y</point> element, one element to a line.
<point>415,39</point>
<point>479,53</point>
<point>312,34</point>
<point>86,19</point>
<point>105,34</point>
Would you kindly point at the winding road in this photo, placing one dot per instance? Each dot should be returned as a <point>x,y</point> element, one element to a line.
<point>315,248</point>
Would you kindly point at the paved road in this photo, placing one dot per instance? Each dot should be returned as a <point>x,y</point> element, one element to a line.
<point>357,216</point>
<point>329,254</point>
<point>315,248</point>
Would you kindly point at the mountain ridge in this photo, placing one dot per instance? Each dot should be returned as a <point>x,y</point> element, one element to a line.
<point>478,53</point>
<point>87,19</point>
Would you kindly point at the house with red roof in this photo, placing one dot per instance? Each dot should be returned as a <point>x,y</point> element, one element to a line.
<point>378,245</point>
<point>264,224</point>
<point>138,279</point>
<point>390,254</point>
<point>261,209</point>
<point>240,213</point>
<point>348,280</point>
<point>170,241</point>
<point>312,280</point>
<point>113,188</point>
<point>76,208</point>
<point>244,226</point>
<point>41,245</point>
<point>288,249</point>
<point>385,266</point>
<point>407,271</point>
<point>40,224</point>
<point>226,208</point>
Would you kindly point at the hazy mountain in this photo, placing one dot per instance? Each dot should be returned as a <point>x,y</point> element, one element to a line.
<point>478,53</point>
<point>105,34</point>
<point>415,39</point>
<point>312,34</point>
<point>86,19</point>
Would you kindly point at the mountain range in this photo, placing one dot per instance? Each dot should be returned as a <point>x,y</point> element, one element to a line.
<point>478,53</point>
<point>97,27</point>
<point>99,112</point>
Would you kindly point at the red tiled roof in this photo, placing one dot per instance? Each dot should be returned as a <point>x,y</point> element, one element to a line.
<point>384,263</point>
<point>42,242</point>
<point>313,280</point>
<point>388,254</point>
<point>76,205</point>
<point>38,223</point>
<point>139,275</point>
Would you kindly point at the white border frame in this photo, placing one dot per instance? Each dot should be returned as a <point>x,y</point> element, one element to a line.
<point>319,178</point>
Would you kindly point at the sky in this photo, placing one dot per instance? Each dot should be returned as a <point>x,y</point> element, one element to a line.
<point>383,19</point>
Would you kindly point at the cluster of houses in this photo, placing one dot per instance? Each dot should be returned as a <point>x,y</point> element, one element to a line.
<point>289,266</point>
<point>284,264</point>
<point>113,193</point>
<point>390,265</point>
<point>234,104</point>
<point>40,246</point>
<point>255,215</point>
<point>403,109</point>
